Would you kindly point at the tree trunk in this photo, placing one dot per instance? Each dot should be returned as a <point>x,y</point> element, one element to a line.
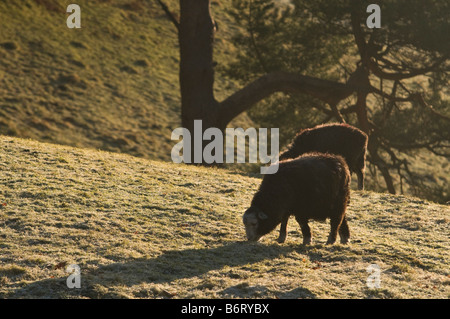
<point>361,75</point>
<point>382,166</point>
<point>196,37</point>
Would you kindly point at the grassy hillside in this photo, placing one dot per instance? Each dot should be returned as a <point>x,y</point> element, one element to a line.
<point>144,229</point>
<point>113,84</point>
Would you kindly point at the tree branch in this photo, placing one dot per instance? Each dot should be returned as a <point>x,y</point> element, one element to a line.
<point>435,152</point>
<point>390,97</point>
<point>355,20</point>
<point>350,109</point>
<point>419,98</point>
<point>384,169</point>
<point>328,91</point>
<point>170,15</point>
<point>376,70</point>
<point>336,113</point>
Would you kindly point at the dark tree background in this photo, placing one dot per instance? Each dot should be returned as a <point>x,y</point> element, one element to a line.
<point>306,62</point>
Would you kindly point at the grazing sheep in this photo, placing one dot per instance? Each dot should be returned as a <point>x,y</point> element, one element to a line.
<point>340,139</point>
<point>312,186</point>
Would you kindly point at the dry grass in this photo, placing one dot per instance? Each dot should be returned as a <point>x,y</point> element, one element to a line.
<point>144,229</point>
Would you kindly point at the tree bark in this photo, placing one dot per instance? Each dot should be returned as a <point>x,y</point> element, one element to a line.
<point>196,38</point>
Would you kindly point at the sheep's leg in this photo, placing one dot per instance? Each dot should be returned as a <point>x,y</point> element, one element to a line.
<point>283,230</point>
<point>344,231</point>
<point>335,224</point>
<point>360,175</point>
<point>306,231</point>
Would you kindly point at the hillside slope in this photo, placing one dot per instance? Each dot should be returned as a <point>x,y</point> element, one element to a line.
<point>112,85</point>
<point>146,229</point>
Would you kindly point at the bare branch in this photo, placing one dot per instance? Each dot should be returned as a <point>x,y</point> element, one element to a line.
<point>390,97</point>
<point>419,98</point>
<point>435,152</point>
<point>387,108</point>
<point>373,66</point>
<point>384,169</point>
<point>355,19</point>
<point>336,113</point>
<point>170,15</point>
<point>328,91</point>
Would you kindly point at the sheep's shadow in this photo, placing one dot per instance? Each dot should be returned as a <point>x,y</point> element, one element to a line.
<point>165,268</point>
<point>188,263</point>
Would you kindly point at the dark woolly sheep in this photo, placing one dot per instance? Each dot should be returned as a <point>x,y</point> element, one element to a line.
<point>340,139</point>
<point>312,186</point>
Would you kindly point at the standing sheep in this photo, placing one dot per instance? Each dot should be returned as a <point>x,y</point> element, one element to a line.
<point>312,186</point>
<point>340,139</point>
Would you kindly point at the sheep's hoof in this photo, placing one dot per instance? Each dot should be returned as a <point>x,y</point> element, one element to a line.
<point>331,241</point>
<point>281,239</point>
<point>307,241</point>
<point>345,240</point>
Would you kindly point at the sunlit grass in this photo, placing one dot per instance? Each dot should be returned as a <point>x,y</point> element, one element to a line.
<point>146,229</point>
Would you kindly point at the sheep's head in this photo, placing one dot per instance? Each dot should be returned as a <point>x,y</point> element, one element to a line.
<point>254,222</point>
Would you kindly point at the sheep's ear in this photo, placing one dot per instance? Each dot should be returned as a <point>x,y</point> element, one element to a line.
<point>261,215</point>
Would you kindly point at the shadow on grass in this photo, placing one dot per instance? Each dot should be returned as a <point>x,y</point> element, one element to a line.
<point>169,266</point>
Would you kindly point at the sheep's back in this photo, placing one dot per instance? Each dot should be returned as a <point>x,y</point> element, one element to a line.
<point>308,185</point>
<point>340,139</point>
